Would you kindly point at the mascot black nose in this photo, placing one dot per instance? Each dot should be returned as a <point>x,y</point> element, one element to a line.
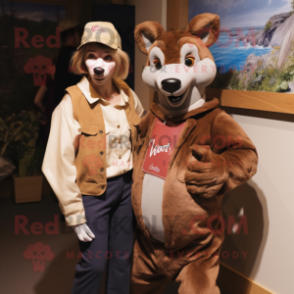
<point>99,70</point>
<point>171,85</point>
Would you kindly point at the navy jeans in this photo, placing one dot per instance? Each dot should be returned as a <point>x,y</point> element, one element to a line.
<point>110,217</point>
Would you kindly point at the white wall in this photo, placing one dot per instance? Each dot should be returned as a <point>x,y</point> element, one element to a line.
<point>146,10</point>
<point>268,202</point>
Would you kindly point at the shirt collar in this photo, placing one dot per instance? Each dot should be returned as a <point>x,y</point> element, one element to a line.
<point>92,96</point>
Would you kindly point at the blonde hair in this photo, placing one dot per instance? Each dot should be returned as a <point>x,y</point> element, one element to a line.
<point>120,57</point>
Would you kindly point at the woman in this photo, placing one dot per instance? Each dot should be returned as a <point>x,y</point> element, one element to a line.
<point>88,160</point>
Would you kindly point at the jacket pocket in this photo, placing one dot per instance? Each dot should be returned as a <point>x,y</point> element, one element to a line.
<point>91,158</point>
<point>89,130</point>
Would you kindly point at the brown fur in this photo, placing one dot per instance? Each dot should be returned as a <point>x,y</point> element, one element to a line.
<point>151,28</point>
<point>189,194</point>
<point>213,155</point>
<point>171,42</point>
<point>205,23</point>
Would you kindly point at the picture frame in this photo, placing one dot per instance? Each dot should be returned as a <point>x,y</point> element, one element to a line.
<point>178,18</point>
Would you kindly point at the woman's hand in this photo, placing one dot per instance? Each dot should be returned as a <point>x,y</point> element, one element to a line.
<point>84,233</point>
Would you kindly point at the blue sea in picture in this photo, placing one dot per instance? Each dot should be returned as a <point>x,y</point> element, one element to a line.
<point>231,54</point>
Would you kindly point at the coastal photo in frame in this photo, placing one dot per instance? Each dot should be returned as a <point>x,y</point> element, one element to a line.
<point>255,49</point>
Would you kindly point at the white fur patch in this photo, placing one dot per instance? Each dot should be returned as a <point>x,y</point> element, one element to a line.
<point>189,49</point>
<point>156,53</point>
<point>201,74</point>
<point>198,76</point>
<point>147,42</point>
<point>152,195</point>
<point>109,68</point>
<point>150,72</point>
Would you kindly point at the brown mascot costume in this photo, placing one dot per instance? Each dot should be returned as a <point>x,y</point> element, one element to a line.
<point>188,154</point>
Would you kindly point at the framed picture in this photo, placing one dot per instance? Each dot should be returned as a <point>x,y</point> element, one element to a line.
<point>254,53</point>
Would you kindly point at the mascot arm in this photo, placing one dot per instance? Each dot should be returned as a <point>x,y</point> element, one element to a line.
<point>229,161</point>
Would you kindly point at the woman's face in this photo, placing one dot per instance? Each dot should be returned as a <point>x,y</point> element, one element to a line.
<point>100,64</point>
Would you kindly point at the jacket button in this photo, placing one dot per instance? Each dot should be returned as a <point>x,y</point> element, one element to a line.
<point>101,132</point>
<point>102,169</point>
<point>101,153</point>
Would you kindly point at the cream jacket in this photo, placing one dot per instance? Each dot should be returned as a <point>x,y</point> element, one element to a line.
<point>58,164</point>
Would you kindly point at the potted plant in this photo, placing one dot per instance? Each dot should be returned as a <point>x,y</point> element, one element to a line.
<point>6,167</point>
<point>19,133</point>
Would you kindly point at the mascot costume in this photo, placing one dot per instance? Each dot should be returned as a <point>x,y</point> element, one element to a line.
<point>188,154</point>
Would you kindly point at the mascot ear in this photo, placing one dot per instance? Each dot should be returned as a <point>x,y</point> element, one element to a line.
<point>146,33</point>
<point>206,27</point>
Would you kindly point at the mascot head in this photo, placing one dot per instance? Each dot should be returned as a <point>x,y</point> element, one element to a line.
<point>179,64</point>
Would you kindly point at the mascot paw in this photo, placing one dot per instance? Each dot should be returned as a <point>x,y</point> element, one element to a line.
<point>207,172</point>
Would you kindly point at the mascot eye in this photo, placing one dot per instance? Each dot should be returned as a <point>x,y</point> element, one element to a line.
<point>157,63</point>
<point>189,60</point>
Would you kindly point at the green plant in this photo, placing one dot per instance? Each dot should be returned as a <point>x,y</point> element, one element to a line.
<point>287,76</point>
<point>265,77</point>
<point>19,136</point>
<point>268,25</point>
<point>282,87</point>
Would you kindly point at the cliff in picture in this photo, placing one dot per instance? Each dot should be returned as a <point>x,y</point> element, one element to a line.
<point>255,50</point>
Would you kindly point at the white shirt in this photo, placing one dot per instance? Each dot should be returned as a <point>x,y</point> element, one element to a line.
<point>58,164</point>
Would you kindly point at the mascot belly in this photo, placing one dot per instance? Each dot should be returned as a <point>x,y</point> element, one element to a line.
<point>152,196</point>
<point>160,148</point>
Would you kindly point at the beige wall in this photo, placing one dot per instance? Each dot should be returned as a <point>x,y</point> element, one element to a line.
<point>146,10</point>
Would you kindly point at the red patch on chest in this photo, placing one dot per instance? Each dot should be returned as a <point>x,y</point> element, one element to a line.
<point>161,145</point>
